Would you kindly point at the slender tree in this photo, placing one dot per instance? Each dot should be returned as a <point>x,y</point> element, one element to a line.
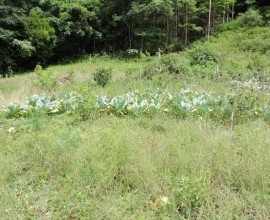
<point>209,19</point>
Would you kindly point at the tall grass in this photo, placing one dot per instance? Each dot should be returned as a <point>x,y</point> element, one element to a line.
<point>118,168</point>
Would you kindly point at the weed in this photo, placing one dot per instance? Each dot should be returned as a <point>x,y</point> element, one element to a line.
<point>189,195</point>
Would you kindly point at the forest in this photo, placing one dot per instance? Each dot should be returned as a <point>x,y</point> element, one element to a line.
<point>49,31</point>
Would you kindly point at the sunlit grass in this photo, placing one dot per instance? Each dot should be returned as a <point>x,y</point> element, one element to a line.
<point>117,167</point>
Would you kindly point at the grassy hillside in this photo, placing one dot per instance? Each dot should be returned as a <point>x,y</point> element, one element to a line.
<point>205,159</point>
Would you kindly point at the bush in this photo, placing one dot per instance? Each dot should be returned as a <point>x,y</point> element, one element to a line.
<point>152,70</point>
<point>169,64</point>
<point>86,108</point>
<point>103,76</point>
<point>178,46</point>
<point>202,56</point>
<point>232,25</point>
<point>252,18</point>
<point>46,79</point>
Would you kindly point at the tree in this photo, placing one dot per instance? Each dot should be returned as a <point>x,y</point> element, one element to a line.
<point>41,34</point>
<point>47,30</point>
<point>13,44</point>
<point>74,24</point>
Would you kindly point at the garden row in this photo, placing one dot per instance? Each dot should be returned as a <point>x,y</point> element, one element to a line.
<point>238,106</point>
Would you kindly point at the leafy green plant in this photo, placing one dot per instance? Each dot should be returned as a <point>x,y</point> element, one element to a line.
<point>202,56</point>
<point>103,76</point>
<point>252,18</point>
<point>46,78</point>
<point>243,105</point>
<point>189,195</point>
<point>46,104</point>
<point>85,109</point>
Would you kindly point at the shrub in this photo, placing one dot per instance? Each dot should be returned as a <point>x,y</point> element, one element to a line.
<point>103,76</point>
<point>152,70</point>
<point>38,69</point>
<point>170,64</point>
<point>178,46</point>
<point>46,79</point>
<point>173,65</point>
<point>85,109</point>
<point>252,18</point>
<point>202,56</point>
<point>232,25</point>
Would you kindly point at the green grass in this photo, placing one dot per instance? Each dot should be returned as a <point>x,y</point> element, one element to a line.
<point>108,167</point>
<point>118,167</point>
<point>239,50</point>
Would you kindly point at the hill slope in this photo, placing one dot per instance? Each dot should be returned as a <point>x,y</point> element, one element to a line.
<point>65,161</point>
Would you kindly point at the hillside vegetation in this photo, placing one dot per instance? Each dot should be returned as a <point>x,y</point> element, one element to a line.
<point>49,31</point>
<point>176,136</point>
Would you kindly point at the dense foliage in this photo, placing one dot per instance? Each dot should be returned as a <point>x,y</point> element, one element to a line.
<point>41,31</point>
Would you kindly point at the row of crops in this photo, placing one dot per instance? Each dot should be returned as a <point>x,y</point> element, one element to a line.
<point>183,103</point>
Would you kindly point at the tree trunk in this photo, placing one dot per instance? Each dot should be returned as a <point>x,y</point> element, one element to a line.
<point>129,36</point>
<point>168,30</point>
<point>233,11</point>
<point>186,25</point>
<point>176,24</point>
<point>224,13</point>
<point>228,14</point>
<point>209,19</point>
